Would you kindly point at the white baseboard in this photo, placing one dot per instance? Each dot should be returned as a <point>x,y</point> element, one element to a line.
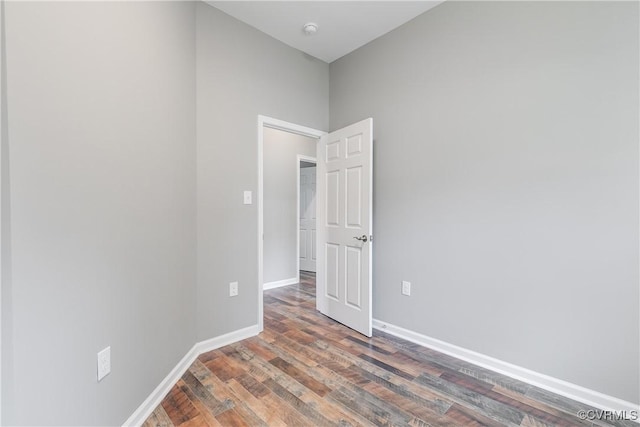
<point>154,399</point>
<point>546,382</point>
<point>280,283</point>
<point>149,405</point>
<point>226,339</point>
<point>554,385</point>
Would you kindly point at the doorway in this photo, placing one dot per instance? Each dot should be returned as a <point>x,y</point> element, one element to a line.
<point>267,277</point>
<point>307,252</point>
<point>345,217</point>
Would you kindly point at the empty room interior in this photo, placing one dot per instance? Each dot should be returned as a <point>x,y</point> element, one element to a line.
<point>320,213</point>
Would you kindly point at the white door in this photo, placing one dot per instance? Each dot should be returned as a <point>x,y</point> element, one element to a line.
<point>344,191</point>
<point>308,219</point>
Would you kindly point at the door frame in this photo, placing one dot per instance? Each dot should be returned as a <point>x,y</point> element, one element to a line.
<point>301,158</point>
<point>3,148</point>
<point>270,122</point>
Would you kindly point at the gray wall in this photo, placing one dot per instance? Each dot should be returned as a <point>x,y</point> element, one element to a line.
<point>101,193</point>
<point>101,139</point>
<point>6,311</point>
<point>506,187</point>
<point>281,150</point>
<point>506,181</point>
<point>241,73</point>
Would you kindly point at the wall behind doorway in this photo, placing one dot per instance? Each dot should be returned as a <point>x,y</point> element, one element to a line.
<point>280,201</point>
<point>240,73</point>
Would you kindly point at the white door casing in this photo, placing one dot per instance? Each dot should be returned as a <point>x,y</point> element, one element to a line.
<point>344,225</point>
<point>307,198</point>
<point>270,122</point>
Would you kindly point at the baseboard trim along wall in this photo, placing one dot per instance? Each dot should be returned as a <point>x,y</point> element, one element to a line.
<point>144,411</point>
<point>280,283</point>
<point>554,385</point>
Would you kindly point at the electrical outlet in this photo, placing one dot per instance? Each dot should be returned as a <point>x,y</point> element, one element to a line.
<point>233,289</point>
<point>247,198</point>
<point>104,363</point>
<point>406,288</point>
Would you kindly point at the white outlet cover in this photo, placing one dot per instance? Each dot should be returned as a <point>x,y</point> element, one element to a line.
<point>104,363</point>
<point>247,197</point>
<point>233,289</point>
<point>406,288</point>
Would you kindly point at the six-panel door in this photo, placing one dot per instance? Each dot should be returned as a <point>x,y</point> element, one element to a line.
<point>344,225</point>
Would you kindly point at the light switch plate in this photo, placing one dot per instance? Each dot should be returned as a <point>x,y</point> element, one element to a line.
<point>406,288</point>
<point>247,198</point>
<point>104,363</point>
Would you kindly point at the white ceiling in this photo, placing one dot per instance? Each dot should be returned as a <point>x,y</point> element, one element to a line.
<point>343,26</point>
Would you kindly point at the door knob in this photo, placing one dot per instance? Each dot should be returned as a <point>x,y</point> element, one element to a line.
<point>362,239</point>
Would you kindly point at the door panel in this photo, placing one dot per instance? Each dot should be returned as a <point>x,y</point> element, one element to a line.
<point>303,245</point>
<point>353,265</point>
<point>308,219</point>
<point>332,277</point>
<point>332,201</point>
<point>354,201</point>
<point>314,252</point>
<point>345,225</point>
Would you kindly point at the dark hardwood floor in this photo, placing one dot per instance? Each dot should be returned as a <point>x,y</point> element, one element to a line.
<point>307,370</point>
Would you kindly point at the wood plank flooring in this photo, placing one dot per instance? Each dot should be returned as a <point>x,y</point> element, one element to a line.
<point>307,370</point>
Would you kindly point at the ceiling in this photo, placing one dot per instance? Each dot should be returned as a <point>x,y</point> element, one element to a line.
<point>343,26</point>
